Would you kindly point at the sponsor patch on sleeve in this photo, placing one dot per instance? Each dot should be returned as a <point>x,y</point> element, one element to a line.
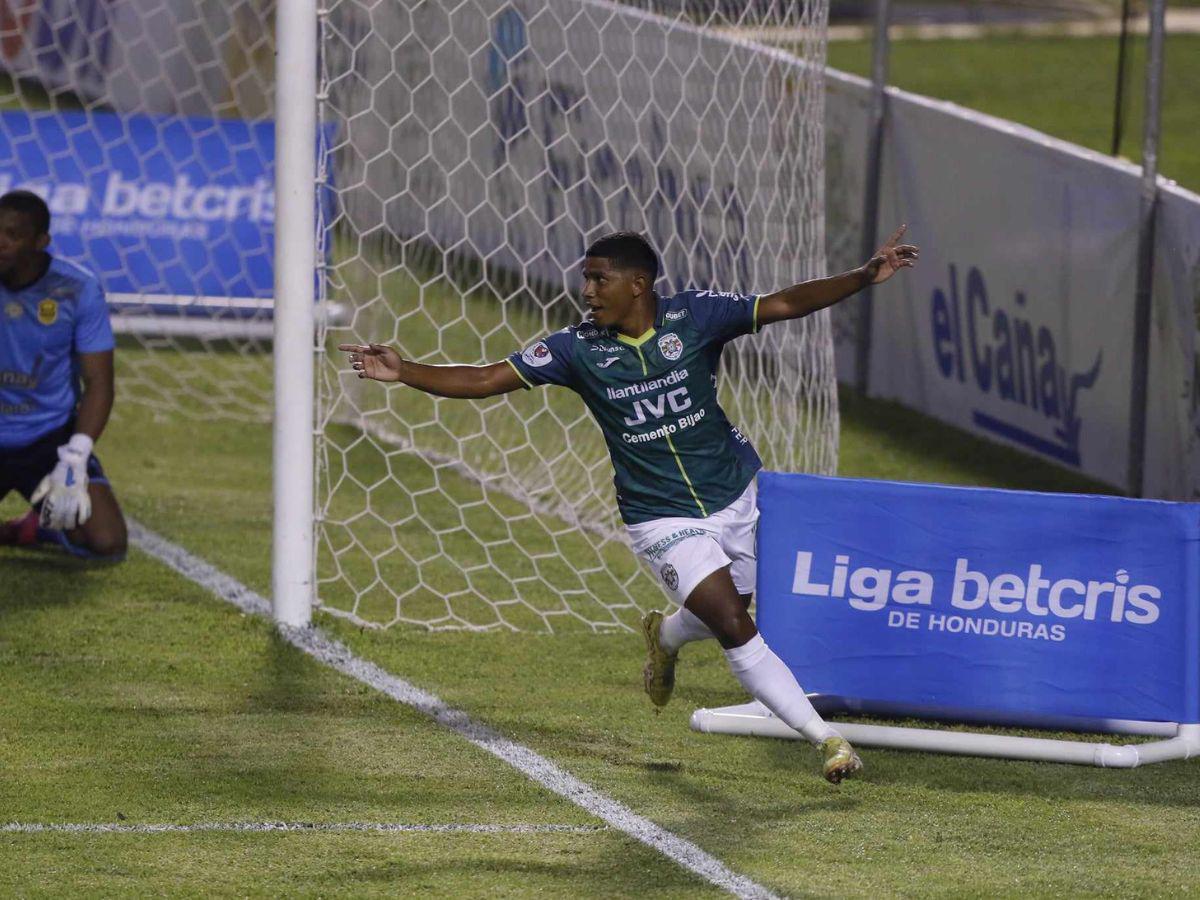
<point>538,355</point>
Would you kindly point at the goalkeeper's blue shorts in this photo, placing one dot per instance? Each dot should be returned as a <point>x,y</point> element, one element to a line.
<point>23,468</point>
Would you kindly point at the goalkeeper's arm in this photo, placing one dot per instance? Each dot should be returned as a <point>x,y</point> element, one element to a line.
<point>382,363</point>
<point>63,493</point>
<point>96,401</point>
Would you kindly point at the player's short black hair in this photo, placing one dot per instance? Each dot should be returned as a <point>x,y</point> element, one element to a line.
<point>627,250</point>
<point>30,204</point>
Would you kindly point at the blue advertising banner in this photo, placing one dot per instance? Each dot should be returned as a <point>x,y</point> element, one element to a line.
<point>154,205</point>
<point>966,598</point>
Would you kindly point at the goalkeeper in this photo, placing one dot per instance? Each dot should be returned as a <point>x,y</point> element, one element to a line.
<point>56,390</point>
<point>646,367</point>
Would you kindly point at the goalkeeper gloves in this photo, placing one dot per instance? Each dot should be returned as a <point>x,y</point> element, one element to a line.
<point>65,490</point>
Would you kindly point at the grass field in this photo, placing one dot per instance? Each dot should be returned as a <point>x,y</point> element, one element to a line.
<point>1062,86</point>
<point>130,696</point>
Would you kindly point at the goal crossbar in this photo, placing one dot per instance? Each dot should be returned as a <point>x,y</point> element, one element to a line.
<point>206,318</point>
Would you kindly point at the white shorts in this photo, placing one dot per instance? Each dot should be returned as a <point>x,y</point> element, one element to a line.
<point>682,552</point>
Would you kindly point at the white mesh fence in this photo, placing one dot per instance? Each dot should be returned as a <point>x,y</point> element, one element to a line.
<point>474,149</point>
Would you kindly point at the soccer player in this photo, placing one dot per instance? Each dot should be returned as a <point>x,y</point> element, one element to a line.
<point>56,390</point>
<point>646,367</point>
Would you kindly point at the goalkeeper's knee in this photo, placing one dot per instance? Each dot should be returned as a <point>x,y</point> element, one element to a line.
<point>96,551</point>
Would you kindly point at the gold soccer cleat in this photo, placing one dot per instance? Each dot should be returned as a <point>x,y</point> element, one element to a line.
<point>840,759</point>
<point>659,673</point>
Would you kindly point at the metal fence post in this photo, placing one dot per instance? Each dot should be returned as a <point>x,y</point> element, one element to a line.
<point>1145,266</point>
<point>874,166</point>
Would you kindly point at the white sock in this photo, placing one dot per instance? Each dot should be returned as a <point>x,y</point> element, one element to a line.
<point>679,628</point>
<point>771,682</point>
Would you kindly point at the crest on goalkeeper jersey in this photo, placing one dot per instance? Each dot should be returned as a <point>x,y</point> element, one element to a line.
<point>538,355</point>
<point>670,346</point>
<point>47,312</point>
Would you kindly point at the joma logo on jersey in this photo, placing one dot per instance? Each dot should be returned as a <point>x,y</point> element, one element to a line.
<point>645,408</point>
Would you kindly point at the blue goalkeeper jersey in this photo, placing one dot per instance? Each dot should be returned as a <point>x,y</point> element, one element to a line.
<point>674,451</point>
<point>43,329</point>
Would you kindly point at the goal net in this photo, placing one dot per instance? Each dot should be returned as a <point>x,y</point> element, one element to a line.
<point>474,150</point>
<point>468,152</point>
<point>147,127</point>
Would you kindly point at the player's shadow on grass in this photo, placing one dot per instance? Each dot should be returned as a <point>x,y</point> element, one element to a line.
<point>1174,784</point>
<point>618,870</point>
<point>711,792</point>
<point>289,681</point>
<point>44,577</point>
<point>294,727</point>
<point>1171,784</point>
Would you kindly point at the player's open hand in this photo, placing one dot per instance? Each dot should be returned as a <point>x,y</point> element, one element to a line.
<point>892,257</point>
<point>374,361</point>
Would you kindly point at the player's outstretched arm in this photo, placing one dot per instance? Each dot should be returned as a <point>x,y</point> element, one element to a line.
<point>382,363</point>
<point>802,299</point>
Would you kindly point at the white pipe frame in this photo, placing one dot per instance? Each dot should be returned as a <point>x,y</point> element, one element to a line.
<point>295,266</point>
<point>753,720</point>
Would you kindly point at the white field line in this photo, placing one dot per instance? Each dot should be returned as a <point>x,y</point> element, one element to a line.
<point>531,764</point>
<point>385,827</point>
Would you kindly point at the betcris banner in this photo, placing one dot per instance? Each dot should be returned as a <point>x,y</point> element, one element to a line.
<point>983,600</point>
<point>154,205</point>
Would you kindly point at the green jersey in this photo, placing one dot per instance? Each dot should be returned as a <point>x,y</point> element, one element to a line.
<point>655,398</point>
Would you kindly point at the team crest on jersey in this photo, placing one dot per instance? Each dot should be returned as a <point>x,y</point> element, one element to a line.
<point>13,309</point>
<point>538,355</point>
<point>670,577</point>
<point>48,311</point>
<point>670,346</point>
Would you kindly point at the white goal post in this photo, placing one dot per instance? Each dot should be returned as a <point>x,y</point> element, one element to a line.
<point>296,240</point>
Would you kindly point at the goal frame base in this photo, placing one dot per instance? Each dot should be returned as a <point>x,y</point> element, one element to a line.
<point>1183,742</point>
